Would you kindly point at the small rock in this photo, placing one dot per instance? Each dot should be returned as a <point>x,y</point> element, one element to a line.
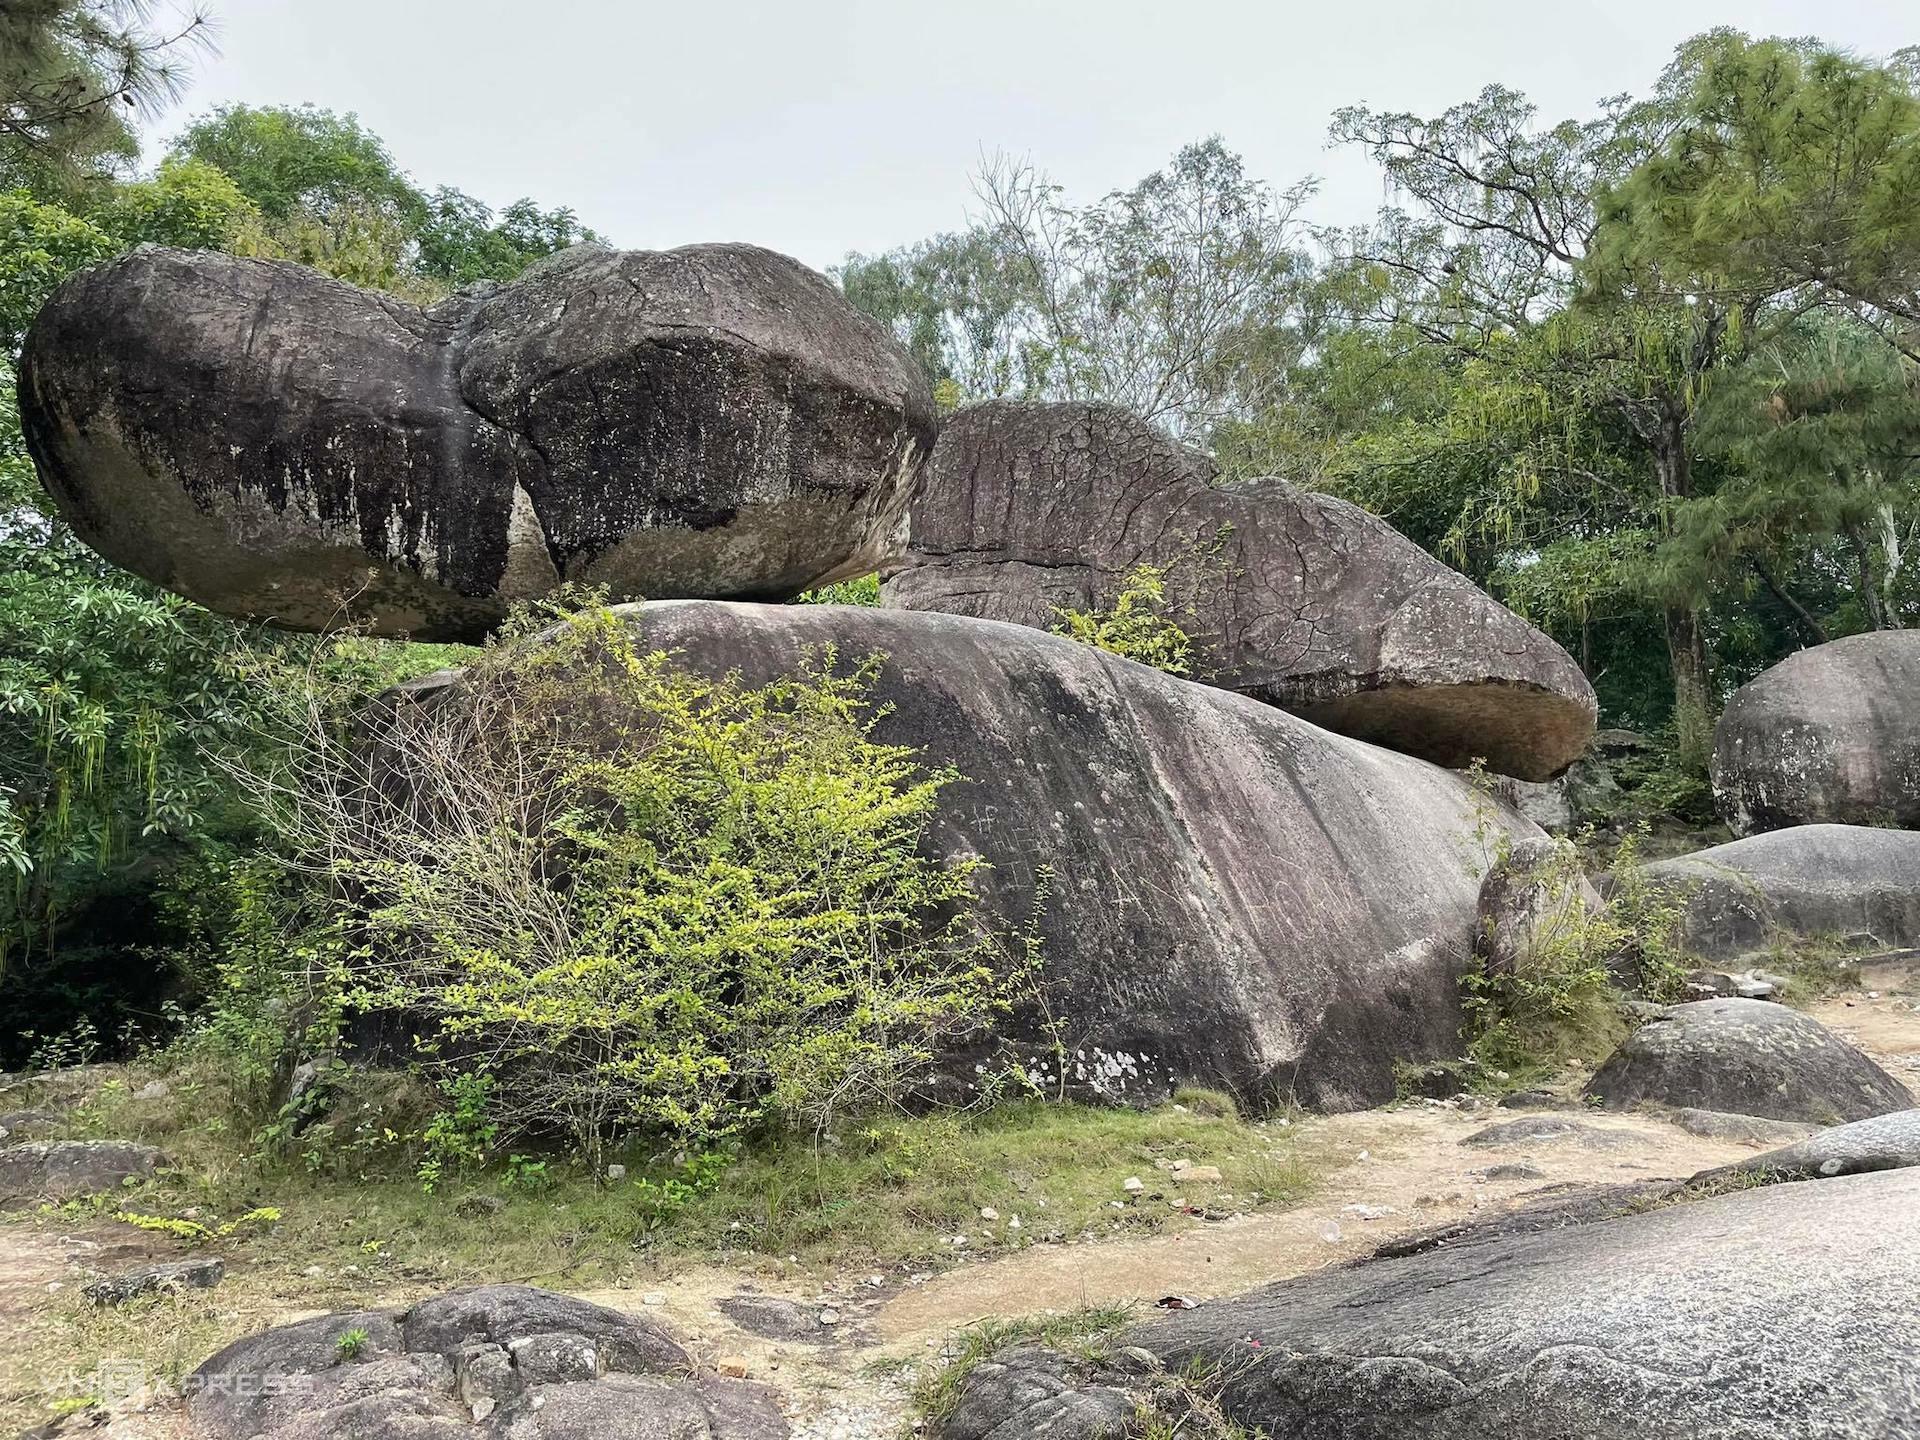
<point>156,1280</point>
<point>153,1090</point>
<point>616,1173</point>
<point>1369,1212</point>
<point>734,1367</point>
<point>1133,1185</point>
<point>987,1212</point>
<point>654,1297</point>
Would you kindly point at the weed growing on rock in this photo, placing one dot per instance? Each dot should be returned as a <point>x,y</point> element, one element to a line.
<point>1137,627</point>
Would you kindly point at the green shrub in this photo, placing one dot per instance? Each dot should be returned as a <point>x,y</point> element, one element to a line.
<point>861,590</point>
<point>1559,1001</point>
<point>628,897</point>
<point>1137,626</point>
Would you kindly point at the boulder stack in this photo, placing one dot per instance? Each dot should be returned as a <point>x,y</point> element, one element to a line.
<point>1299,599</point>
<point>710,421</point>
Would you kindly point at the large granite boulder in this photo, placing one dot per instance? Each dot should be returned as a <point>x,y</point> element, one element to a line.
<point>504,1361</point>
<point>710,421</point>
<point>1298,599</point>
<point>1225,894</point>
<point>1755,1315</point>
<point>1829,735</point>
<point>1748,1057</point>
<point>1855,883</point>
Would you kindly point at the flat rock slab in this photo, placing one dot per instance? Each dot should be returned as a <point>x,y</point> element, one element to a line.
<point>1884,1142</point>
<point>1780,1311</point>
<point>1857,882</point>
<point>773,1318</point>
<point>202,1274</point>
<point>1299,599</point>
<point>62,1169</point>
<point>503,1361</point>
<point>1741,1129</point>
<point>1830,735</point>
<point>1226,895</point>
<point>1531,1130</point>
<point>715,420</point>
<point>1750,1057</point>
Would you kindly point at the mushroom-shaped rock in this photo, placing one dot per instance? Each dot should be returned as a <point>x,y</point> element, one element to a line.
<point>1829,735</point>
<point>1295,598</point>
<point>1224,894</point>
<point>1750,1057</point>
<point>1854,881</point>
<point>710,421</point>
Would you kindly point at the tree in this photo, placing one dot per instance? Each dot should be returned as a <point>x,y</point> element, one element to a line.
<point>461,241</point>
<point>1580,370</point>
<point>1174,298</point>
<point>74,74</point>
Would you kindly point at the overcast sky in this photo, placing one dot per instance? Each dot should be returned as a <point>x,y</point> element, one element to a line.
<point>820,126</point>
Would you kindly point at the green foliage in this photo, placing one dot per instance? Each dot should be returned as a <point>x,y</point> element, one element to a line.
<point>1137,627</point>
<point>461,240</point>
<point>625,897</point>
<point>300,160</point>
<point>1558,1001</point>
<point>863,590</point>
<point>74,74</point>
<point>195,1232</point>
<point>351,1344</point>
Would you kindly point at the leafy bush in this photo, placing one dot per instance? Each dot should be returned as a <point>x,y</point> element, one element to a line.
<point>1137,626</point>
<point>612,895</point>
<point>1559,1000</point>
<point>862,590</point>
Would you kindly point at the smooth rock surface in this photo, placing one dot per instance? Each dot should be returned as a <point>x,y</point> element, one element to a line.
<point>1238,899</point>
<point>715,420</point>
<point>1296,598</point>
<point>1749,1057</point>
<point>1855,883</point>
<point>502,1361</point>
<point>1883,1142</point>
<point>62,1169</point>
<point>1830,735</point>
<point>1772,1312</point>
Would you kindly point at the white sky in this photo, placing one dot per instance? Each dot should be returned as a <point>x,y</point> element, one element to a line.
<point>819,126</point>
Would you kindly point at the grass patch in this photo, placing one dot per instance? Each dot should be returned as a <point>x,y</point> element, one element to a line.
<point>356,1229</point>
<point>1814,967</point>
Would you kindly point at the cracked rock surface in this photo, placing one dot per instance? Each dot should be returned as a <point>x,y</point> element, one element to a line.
<point>709,421</point>
<point>1299,599</point>
<point>1229,896</point>
<point>504,1361</point>
<point>1750,1316</point>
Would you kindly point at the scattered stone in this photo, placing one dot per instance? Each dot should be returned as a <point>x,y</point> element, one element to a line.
<point>1294,597</point>
<point>734,1367</point>
<point>987,1212</point>
<point>616,1173</point>
<point>474,1207</point>
<point>1883,1142</point>
<point>1193,957</point>
<point>62,1169</point>
<point>153,1090</point>
<point>1747,1057</point>
<point>1830,735</point>
<point>1745,985</point>
<point>1196,1174</point>
<point>715,420</point>
<point>1133,1185</point>
<point>1740,1129</point>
